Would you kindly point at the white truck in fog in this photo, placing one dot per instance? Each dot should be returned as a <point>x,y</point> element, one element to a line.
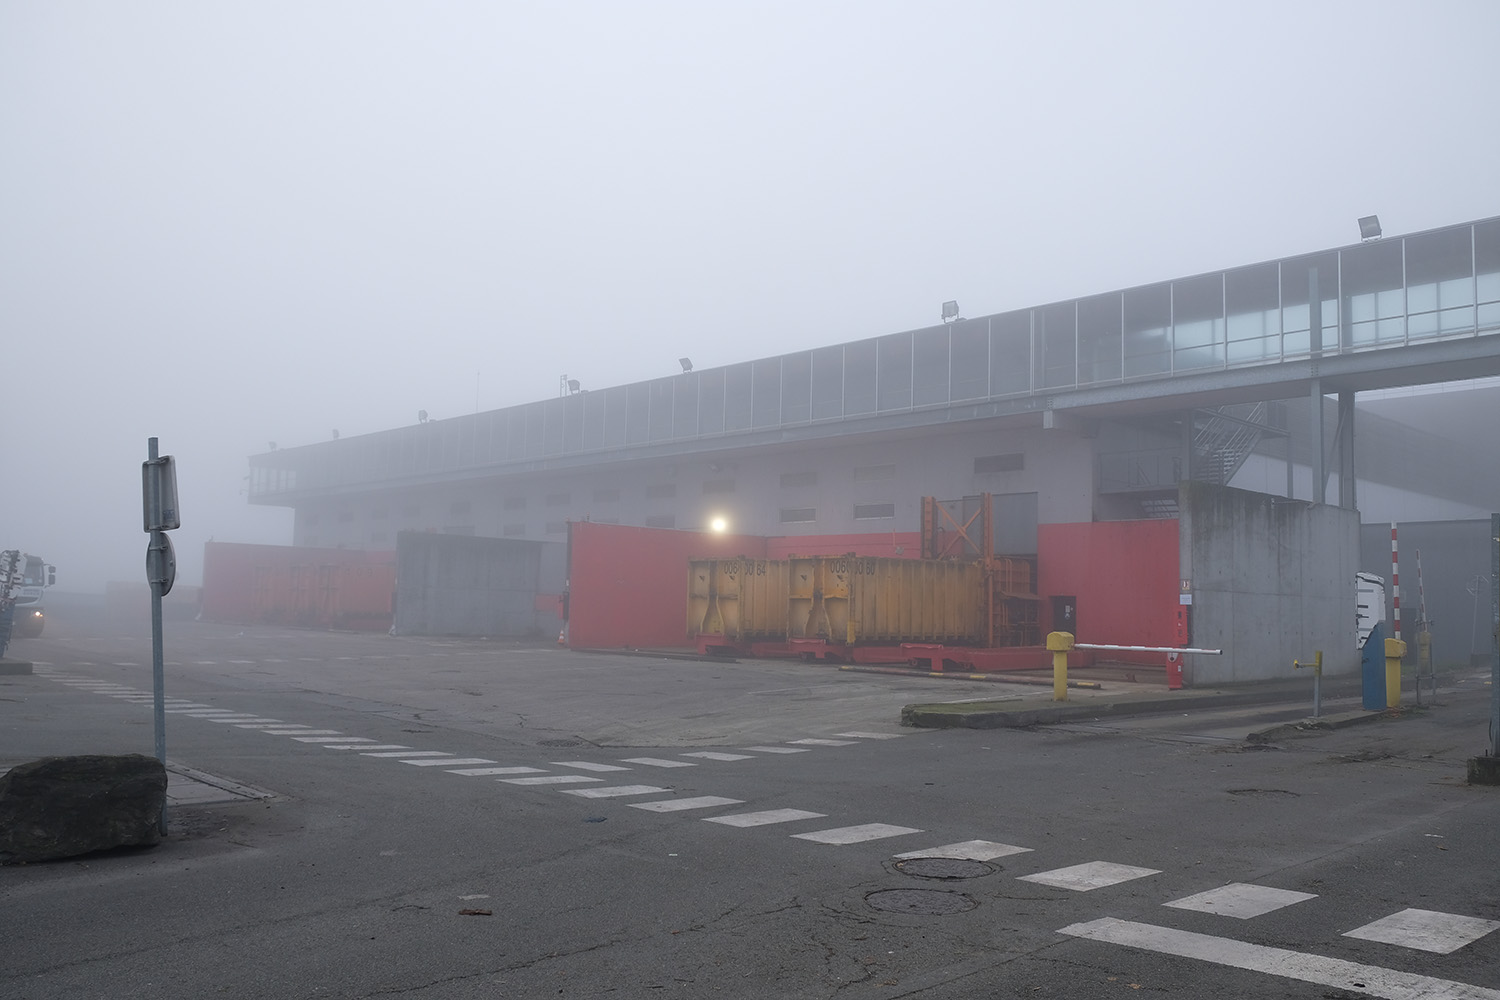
<point>24,580</point>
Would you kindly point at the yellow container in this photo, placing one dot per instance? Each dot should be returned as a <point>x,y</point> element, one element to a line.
<point>853,599</point>
<point>737,598</point>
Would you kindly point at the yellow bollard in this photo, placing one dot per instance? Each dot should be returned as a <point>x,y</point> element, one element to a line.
<point>1059,643</point>
<point>1394,650</point>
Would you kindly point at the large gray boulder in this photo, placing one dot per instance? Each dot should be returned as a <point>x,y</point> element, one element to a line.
<point>59,807</point>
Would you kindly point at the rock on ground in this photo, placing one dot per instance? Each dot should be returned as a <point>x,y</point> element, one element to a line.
<point>59,807</point>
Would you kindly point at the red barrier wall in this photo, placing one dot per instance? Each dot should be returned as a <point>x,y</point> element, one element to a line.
<point>1124,574</point>
<point>290,585</point>
<point>628,586</point>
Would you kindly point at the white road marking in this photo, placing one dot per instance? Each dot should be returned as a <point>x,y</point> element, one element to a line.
<point>243,663</point>
<point>259,725</point>
<point>301,731</point>
<point>588,765</point>
<point>409,753</point>
<point>260,720</point>
<point>614,791</point>
<point>1240,900</point>
<point>333,739</point>
<point>201,711</point>
<point>677,805</point>
<point>856,834</point>
<point>364,746</point>
<point>1426,930</point>
<point>715,755</point>
<point>658,762</point>
<point>778,749</point>
<point>1089,876</point>
<point>477,771</point>
<point>873,736</point>
<point>205,663</point>
<point>221,716</point>
<point>824,743</point>
<point>552,779</point>
<point>764,817</point>
<point>1369,980</point>
<point>968,850</point>
<point>445,763</point>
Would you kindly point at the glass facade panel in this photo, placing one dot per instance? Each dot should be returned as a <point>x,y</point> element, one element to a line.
<point>1487,273</point>
<point>685,405</point>
<point>970,349</point>
<point>1148,331</point>
<point>929,383</point>
<point>765,394</point>
<point>1440,280</point>
<point>552,425</point>
<point>859,377</point>
<point>711,402</point>
<point>637,412</point>
<point>1296,276</point>
<point>895,371</point>
<point>1198,322</point>
<point>1010,353</point>
<point>661,409</point>
<point>536,428</point>
<point>616,404</point>
<point>1099,358</point>
<point>1057,344</point>
<point>796,388</point>
<point>738,381</point>
<point>593,420</point>
<point>573,423</point>
<point>827,383</point>
<point>1374,295</point>
<point>1252,299</point>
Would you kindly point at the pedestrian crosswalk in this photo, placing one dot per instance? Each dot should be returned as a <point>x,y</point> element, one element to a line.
<point>1415,929</point>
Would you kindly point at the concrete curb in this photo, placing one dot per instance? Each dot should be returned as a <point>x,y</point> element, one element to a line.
<point>1339,720</point>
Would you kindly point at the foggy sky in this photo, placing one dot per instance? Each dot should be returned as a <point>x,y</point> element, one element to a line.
<point>231,224</point>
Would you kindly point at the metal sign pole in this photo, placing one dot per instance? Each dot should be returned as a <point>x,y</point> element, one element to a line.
<point>158,680</point>
<point>1494,636</point>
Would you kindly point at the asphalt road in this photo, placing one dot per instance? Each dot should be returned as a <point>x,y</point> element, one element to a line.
<point>1358,861</point>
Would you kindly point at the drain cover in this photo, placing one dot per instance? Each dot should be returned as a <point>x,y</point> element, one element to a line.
<point>923,901</point>
<point>943,868</point>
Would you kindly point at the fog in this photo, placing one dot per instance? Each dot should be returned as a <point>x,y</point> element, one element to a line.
<point>227,225</point>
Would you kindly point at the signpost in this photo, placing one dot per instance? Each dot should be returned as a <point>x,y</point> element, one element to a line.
<point>159,515</point>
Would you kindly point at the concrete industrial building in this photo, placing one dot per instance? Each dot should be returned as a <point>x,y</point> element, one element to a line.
<point>1089,410</point>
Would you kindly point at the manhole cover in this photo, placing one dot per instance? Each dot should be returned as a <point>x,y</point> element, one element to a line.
<point>560,743</point>
<point>924,901</point>
<point>943,868</point>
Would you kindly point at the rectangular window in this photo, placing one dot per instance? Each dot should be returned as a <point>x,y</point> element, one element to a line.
<point>719,486</point>
<point>559,499</point>
<point>873,473</point>
<point>999,463</point>
<point>661,521</point>
<point>310,520</point>
<point>873,511</point>
<point>606,496</point>
<point>798,515</point>
<point>661,491</point>
<point>513,530</point>
<point>514,503</point>
<point>791,479</point>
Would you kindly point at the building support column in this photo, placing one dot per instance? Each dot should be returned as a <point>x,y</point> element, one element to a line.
<point>1346,450</point>
<point>1315,426</point>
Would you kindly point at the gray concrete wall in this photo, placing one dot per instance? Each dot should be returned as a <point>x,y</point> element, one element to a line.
<point>455,585</point>
<point>1271,582</point>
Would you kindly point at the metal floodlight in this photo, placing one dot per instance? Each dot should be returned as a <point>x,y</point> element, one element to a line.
<point>686,363</point>
<point>421,416</point>
<point>950,310</point>
<point>573,385</point>
<point>1369,227</point>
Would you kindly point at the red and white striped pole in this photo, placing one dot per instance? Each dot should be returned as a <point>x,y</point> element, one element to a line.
<point>1395,588</point>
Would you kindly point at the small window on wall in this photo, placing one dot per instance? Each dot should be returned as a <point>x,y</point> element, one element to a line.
<point>872,473</point>
<point>514,503</point>
<point>607,496</point>
<point>557,527</point>
<point>661,521</point>
<point>873,511</point>
<point>513,530</point>
<point>793,479</point>
<point>719,486</point>
<point>798,515</point>
<point>310,520</point>
<point>559,499</point>
<point>999,463</point>
<point>661,491</point>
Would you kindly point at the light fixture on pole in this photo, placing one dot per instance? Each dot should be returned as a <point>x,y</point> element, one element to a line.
<point>950,311</point>
<point>1369,227</point>
<point>686,363</point>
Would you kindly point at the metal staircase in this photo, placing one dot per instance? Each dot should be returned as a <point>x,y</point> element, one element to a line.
<point>1224,437</point>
